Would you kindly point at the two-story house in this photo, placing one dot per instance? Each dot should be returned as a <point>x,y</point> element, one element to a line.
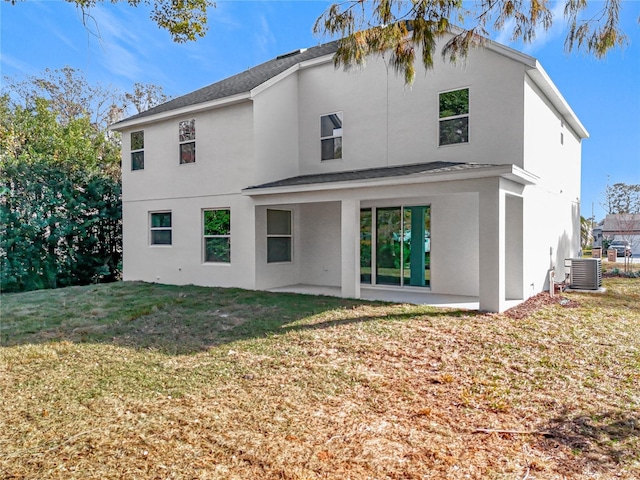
<point>297,173</point>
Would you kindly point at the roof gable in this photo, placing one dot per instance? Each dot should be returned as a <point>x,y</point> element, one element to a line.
<point>242,82</point>
<point>238,87</point>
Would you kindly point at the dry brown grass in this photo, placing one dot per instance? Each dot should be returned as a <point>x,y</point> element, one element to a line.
<point>352,391</point>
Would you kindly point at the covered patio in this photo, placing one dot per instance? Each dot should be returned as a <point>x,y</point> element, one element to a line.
<point>477,244</point>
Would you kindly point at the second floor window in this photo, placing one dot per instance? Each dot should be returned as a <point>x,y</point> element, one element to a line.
<point>454,117</point>
<point>331,136</point>
<point>137,150</point>
<point>187,138</point>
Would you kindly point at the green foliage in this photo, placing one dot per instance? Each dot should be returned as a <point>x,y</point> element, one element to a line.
<point>454,103</point>
<point>59,227</point>
<point>60,206</point>
<point>217,222</point>
<point>402,28</point>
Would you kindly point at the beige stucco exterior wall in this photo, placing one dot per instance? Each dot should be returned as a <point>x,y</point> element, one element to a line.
<point>552,151</point>
<point>183,261</point>
<point>275,126</point>
<point>388,123</point>
<point>213,181</point>
<point>276,135</point>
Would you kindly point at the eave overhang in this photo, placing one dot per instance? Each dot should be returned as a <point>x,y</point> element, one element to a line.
<point>180,112</point>
<point>545,84</point>
<point>509,172</point>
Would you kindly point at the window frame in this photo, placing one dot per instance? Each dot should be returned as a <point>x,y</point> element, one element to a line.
<point>188,137</point>
<point>333,136</point>
<point>280,235</point>
<point>160,229</point>
<point>455,117</point>
<point>136,150</point>
<point>206,236</point>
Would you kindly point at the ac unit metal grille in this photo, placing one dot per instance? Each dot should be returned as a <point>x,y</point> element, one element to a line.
<point>586,273</point>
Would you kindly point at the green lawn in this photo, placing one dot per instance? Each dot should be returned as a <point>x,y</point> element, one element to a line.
<point>134,380</point>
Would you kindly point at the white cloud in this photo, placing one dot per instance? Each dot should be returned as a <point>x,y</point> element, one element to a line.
<point>264,37</point>
<point>121,42</point>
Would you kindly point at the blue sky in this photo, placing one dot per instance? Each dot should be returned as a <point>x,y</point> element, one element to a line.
<point>122,46</point>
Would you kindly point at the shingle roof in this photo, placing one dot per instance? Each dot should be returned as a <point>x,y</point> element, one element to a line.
<point>373,173</point>
<point>242,82</point>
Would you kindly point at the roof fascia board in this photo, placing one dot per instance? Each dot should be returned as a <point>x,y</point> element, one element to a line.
<point>546,85</point>
<point>317,61</point>
<point>273,80</point>
<point>540,78</point>
<point>180,112</point>
<point>501,49</point>
<point>511,172</point>
<point>281,76</point>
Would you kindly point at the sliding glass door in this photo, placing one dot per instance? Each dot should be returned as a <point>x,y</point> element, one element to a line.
<point>402,239</point>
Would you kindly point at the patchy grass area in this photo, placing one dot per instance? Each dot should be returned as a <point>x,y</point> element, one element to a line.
<point>134,380</point>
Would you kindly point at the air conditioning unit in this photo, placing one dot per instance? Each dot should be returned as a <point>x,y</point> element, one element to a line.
<point>586,273</point>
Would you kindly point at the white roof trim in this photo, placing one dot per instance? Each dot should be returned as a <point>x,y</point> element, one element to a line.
<point>510,172</point>
<point>501,49</point>
<point>544,83</point>
<point>298,66</point>
<point>181,112</point>
<point>273,80</point>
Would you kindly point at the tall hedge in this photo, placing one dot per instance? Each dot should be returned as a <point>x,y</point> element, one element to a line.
<point>60,202</point>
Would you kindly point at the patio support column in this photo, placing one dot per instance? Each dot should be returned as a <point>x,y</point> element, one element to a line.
<point>492,246</point>
<point>350,248</point>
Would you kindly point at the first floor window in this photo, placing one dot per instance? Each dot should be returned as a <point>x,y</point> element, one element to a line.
<point>217,236</point>
<point>187,138</point>
<point>137,150</point>
<point>454,117</point>
<point>161,228</point>
<point>331,136</point>
<point>279,237</point>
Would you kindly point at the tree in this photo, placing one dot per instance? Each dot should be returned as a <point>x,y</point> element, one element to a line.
<point>60,203</point>
<point>398,26</point>
<point>60,213</point>
<point>145,96</point>
<point>69,93</point>
<point>71,96</point>
<point>621,198</point>
<point>185,20</point>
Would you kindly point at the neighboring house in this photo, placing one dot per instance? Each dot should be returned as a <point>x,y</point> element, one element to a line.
<point>621,226</point>
<point>297,173</point>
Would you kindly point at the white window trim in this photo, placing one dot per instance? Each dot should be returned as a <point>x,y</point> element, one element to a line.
<point>341,136</point>
<point>157,229</point>
<point>467,115</point>
<point>204,237</point>
<point>280,235</point>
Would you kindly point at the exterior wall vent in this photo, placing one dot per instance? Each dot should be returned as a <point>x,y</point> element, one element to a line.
<point>586,273</point>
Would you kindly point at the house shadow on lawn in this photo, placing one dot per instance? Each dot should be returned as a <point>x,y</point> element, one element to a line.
<point>179,320</point>
<point>599,440</point>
